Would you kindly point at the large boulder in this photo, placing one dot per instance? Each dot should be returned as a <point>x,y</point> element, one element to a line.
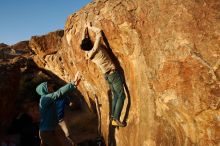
<point>169,53</point>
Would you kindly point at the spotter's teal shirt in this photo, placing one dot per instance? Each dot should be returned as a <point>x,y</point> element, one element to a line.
<point>47,105</point>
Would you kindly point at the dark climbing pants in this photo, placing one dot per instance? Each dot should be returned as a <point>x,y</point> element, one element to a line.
<point>115,81</point>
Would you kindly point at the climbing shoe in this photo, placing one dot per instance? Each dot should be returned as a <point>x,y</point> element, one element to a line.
<point>117,123</point>
<point>112,118</point>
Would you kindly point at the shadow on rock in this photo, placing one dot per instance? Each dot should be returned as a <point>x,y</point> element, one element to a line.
<point>25,122</point>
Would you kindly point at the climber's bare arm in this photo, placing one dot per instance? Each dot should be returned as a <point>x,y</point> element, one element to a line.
<point>97,40</point>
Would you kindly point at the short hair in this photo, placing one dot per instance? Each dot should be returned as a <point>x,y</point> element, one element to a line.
<point>51,83</point>
<point>86,44</point>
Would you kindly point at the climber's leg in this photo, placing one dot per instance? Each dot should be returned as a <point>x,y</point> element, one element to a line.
<point>114,101</point>
<point>110,78</point>
<point>116,84</point>
<point>119,91</point>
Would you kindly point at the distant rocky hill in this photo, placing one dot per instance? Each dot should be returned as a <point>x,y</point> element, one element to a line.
<point>3,45</point>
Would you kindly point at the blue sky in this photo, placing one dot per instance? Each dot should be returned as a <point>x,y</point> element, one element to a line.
<point>21,19</point>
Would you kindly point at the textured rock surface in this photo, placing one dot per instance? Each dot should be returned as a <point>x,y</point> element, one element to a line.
<point>170,54</point>
<point>16,67</point>
<point>7,100</point>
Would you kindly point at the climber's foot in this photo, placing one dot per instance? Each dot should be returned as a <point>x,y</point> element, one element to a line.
<point>117,123</point>
<point>112,118</point>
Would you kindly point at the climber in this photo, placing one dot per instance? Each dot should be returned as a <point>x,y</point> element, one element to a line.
<point>47,106</point>
<point>97,54</point>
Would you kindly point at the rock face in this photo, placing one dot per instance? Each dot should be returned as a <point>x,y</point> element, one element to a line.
<point>45,45</point>
<point>19,76</point>
<point>170,56</point>
<point>16,68</point>
<point>9,80</point>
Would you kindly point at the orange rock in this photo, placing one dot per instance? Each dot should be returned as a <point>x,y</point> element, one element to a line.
<point>168,51</point>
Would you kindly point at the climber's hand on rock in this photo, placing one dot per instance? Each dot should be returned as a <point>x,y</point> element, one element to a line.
<point>77,78</point>
<point>86,26</point>
<point>76,83</point>
<point>89,24</point>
